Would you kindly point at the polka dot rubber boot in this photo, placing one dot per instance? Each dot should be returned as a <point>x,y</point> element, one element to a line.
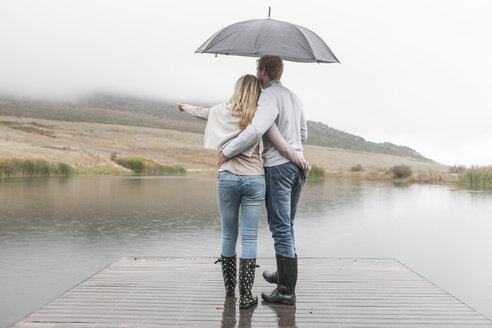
<point>229,272</point>
<point>247,269</point>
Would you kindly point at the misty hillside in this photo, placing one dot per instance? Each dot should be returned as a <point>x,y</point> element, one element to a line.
<point>322,135</point>
<point>107,109</point>
<point>133,111</point>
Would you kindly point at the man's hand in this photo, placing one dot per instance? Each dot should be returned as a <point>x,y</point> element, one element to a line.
<point>222,159</point>
<point>307,170</point>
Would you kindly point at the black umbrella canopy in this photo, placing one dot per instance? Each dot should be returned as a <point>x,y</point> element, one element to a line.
<point>259,37</point>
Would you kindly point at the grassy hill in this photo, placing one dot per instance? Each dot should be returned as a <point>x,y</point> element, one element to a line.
<point>134,111</point>
<point>322,135</point>
<point>105,109</point>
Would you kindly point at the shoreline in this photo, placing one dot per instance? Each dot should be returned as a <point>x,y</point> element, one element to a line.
<point>377,176</point>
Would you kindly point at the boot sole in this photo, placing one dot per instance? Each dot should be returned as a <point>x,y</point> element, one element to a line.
<point>248,306</point>
<point>283,302</point>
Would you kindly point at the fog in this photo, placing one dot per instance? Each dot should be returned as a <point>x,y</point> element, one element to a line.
<point>415,73</point>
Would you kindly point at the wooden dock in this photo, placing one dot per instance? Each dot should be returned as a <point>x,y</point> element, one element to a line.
<point>157,292</point>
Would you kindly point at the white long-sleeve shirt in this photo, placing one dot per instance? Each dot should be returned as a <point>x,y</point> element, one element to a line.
<point>278,105</point>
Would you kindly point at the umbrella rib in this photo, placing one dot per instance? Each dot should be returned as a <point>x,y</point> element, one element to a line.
<point>310,49</point>
<point>258,34</point>
<point>237,36</point>
<point>329,50</point>
<point>234,40</point>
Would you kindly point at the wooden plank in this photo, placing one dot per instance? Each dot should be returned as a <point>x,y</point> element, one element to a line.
<point>157,292</point>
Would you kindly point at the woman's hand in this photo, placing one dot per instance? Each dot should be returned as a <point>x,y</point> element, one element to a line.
<point>221,159</point>
<point>180,107</point>
<point>195,111</point>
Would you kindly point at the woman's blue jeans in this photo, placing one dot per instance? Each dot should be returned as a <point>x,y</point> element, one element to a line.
<point>235,191</point>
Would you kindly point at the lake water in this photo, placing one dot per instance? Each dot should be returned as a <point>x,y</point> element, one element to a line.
<point>56,232</point>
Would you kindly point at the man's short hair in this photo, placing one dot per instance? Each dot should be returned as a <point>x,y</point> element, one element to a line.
<point>273,65</point>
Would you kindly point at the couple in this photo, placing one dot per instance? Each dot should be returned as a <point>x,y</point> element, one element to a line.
<point>236,129</point>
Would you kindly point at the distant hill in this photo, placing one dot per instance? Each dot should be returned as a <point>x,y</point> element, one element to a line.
<point>322,135</point>
<point>134,111</point>
<point>102,108</point>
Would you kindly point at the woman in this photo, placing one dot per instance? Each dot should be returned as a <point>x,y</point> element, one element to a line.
<point>241,182</point>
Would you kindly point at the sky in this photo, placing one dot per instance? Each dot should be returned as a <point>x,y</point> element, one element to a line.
<point>416,73</point>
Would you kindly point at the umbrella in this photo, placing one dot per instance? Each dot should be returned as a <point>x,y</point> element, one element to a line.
<point>259,37</point>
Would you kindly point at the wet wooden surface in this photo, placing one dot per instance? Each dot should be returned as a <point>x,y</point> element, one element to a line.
<point>157,292</point>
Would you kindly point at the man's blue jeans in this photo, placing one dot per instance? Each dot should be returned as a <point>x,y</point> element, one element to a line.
<point>233,191</point>
<point>284,185</point>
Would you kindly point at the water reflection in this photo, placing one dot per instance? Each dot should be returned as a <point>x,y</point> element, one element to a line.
<point>286,314</point>
<point>92,209</point>
<point>246,317</point>
<point>229,312</point>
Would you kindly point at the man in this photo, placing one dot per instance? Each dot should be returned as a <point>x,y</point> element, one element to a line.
<point>284,180</point>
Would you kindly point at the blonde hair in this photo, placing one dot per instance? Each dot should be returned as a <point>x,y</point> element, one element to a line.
<point>245,99</point>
